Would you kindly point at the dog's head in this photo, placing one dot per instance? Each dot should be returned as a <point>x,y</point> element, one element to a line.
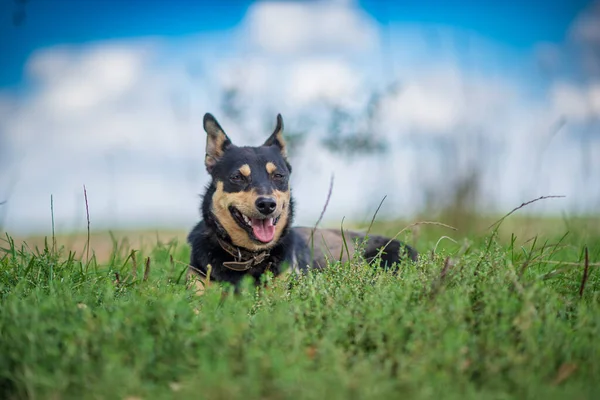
<point>251,198</point>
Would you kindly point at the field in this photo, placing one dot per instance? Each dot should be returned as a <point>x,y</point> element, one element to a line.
<point>512,311</point>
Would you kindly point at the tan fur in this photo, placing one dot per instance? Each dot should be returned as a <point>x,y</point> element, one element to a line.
<point>245,170</point>
<point>214,147</point>
<point>244,202</point>
<point>279,137</point>
<point>209,161</point>
<point>271,167</point>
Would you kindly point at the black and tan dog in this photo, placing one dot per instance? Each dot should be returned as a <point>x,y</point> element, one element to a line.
<point>247,213</point>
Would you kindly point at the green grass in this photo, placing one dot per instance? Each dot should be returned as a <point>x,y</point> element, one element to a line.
<point>480,318</point>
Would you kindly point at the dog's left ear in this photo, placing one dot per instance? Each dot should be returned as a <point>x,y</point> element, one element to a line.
<point>216,141</point>
<point>276,138</point>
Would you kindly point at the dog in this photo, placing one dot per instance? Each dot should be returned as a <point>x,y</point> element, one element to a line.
<point>247,215</point>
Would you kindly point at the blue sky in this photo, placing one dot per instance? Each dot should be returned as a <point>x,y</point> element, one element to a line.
<point>517,24</point>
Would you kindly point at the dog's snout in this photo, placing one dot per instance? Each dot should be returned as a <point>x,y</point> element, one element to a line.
<point>266,205</point>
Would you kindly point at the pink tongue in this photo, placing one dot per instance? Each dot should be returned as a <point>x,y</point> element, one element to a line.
<point>263,229</point>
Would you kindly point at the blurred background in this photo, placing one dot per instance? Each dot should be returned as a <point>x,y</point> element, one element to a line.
<point>446,107</point>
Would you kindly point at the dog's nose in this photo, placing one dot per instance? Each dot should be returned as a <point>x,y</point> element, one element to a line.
<point>266,205</point>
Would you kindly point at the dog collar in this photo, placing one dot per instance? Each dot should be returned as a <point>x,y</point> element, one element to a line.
<point>244,259</point>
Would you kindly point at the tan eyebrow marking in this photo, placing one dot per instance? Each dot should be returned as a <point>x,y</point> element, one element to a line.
<point>271,167</point>
<point>245,170</point>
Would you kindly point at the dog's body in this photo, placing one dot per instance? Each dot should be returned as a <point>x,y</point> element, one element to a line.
<point>248,210</point>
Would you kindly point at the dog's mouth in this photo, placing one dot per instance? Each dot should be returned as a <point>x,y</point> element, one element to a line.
<point>259,229</point>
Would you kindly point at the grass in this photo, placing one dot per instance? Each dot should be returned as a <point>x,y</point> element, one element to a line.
<point>485,317</point>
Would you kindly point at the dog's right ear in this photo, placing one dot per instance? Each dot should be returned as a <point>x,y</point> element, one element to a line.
<point>216,141</point>
<point>276,138</point>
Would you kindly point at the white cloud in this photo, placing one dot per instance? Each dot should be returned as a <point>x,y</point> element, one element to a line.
<point>440,99</point>
<point>287,27</point>
<point>81,82</point>
<point>425,106</point>
<point>330,80</point>
<point>250,75</point>
<point>594,98</point>
<point>576,103</point>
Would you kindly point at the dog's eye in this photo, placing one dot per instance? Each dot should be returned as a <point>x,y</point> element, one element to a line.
<point>278,177</point>
<point>237,178</point>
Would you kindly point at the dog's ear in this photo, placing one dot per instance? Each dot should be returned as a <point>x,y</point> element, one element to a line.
<point>276,138</point>
<point>216,141</point>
